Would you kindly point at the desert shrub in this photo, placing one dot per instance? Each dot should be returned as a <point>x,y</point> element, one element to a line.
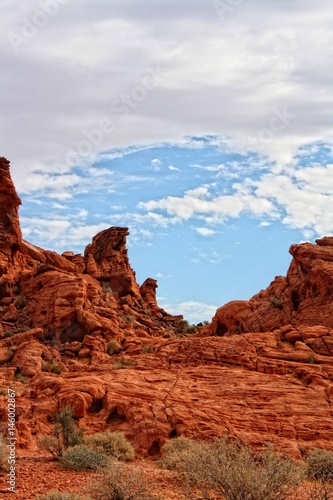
<point>65,434</point>
<point>106,287</point>
<point>275,302</point>
<point>147,350</point>
<point>65,428</point>
<point>3,453</point>
<point>81,458</point>
<point>50,444</point>
<point>129,319</point>
<point>230,469</point>
<point>58,495</point>
<point>51,367</point>
<point>175,450</point>
<point>20,378</point>
<point>320,464</point>
<point>20,302</point>
<point>121,364</point>
<point>113,444</point>
<point>120,482</point>
<point>184,328</point>
<point>112,347</point>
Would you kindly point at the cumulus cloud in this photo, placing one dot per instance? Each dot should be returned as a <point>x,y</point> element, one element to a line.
<point>193,311</point>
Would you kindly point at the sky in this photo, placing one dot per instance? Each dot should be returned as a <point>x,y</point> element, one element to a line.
<point>205,126</point>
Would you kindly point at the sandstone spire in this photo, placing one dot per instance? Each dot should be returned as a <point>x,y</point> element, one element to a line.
<point>10,231</point>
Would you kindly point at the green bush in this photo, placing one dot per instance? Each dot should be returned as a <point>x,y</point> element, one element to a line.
<point>233,471</point>
<point>113,444</point>
<point>3,454</point>
<point>320,464</point>
<point>184,328</point>
<point>51,367</point>
<point>120,482</point>
<point>65,429</point>
<point>65,434</point>
<point>81,458</point>
<point>58,495</point>
<point>121,364</point>
<point>112,347</point>
<point>19,377</point>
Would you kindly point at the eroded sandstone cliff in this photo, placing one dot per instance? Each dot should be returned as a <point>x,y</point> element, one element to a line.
<point>78,330</point>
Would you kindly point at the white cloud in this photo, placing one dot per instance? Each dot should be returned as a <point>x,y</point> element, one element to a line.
<point>205,231</point>
<point>218,209</point>
<point>174,169</point>
<point>194,312</point>
<point>163,276</point>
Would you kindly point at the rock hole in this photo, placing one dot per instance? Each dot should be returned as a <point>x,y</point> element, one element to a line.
<point>96,406</point>
<point>116,418</point>
<point>296,299</point>
<point>221,330</point>
<point>154,450</point>
<point>173,434</point>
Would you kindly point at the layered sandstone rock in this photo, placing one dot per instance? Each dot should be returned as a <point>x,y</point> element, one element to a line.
<point>303,297</point>
<point>79,330</point>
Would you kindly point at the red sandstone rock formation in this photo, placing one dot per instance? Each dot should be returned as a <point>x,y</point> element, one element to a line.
<point>262,370</point>
<point>303,297</point>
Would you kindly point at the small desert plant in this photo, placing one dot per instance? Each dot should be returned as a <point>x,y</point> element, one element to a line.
<point>147,350</point>
<point>320,464</point>
<point>81,458</point>
<point>20,378</point>
<point>113,444</point>
<point>50,444</point>
<point>51,367</point>
<point>65,434</point>
<point>112,347</point>
<point>121,363</point>
<point>311,359</point>
<point>173,451</point>
<point>106,287</point>
<point>230,469</point>
<point>58,495</point>
<point>120,482</point>
<point>65,428</point>
<point>129,319</point>
<point>20,302</point>
<point>184,328</point>
<point>3,453</point>
<point>275,302</point>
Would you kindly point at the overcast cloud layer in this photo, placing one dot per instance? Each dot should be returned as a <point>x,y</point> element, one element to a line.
<point>221,67</point>
<point>203,125</point>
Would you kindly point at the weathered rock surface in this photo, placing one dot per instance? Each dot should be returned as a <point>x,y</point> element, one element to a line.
<point>79,330</point>
<point>303,297</point>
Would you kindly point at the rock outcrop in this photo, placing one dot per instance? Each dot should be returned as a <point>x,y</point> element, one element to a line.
<point>303,297</point>
<point>79,330</point>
